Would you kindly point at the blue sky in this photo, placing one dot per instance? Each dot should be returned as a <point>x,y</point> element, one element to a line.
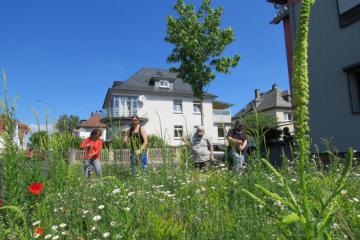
<point>64,55</point>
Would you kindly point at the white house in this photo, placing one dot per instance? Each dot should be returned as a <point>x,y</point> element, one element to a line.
<point>165,105</point>
<point>275,103</point>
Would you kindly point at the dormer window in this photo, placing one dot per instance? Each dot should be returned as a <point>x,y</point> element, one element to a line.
<point>164,84</point>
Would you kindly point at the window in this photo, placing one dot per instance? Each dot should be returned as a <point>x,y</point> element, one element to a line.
<point>349,11</point>
<point>353,76</point>
<point>288,116</point>
<point>178,106</point>
<point>125,106</point>
<point>164,84</point>
<point>196,107</point>
<point>221,132</point>
<point>178,131</point>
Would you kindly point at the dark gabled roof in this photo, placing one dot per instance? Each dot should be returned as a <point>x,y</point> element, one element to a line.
<point>139,82</point>
<point>274,98</point>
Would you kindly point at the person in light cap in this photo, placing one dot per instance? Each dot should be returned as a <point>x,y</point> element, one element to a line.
<point>202,149</point>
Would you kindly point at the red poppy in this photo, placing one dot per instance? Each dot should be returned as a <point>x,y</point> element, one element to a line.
<point>35,188</point>
<point>39,230</point>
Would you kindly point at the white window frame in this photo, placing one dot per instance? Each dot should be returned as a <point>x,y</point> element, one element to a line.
<point>164,84</point>
<point>178,103</point>
<point>125,106</point>
<point>199,104</point>
<point>286,116</point>
<point>177,129</point>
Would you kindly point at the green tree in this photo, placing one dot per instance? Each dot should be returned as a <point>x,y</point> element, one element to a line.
<point>67,123</point>
<point>199,44</point>
<point>39,139</point>
<point>260,121</point>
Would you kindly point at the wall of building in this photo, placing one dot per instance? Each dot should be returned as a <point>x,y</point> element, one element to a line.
<point>331,48</point>
<point>279,114</point>
<point>162,119</point>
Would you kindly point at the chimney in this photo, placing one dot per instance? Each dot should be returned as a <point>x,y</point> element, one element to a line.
<point>275,86</point>
<point>257,93</point>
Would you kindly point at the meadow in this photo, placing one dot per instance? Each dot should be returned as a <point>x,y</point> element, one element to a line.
<point>168,202</point>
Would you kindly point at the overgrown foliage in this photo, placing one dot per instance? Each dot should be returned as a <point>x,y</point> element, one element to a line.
<point>67,123</point>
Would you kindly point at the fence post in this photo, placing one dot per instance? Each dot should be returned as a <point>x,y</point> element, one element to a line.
<point>72,156</point>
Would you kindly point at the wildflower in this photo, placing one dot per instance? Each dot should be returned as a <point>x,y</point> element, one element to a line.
<point>38,231</point>
<point>1,203</point>
<point>343,192</point>
<point>35,188</point>
<point>55,237</point>
<point>118,236</point>
<point>97,218</point>
<point>85,211</point>
<point>112,223</point>
<point>62,225</point>
<point>106,235</point>
<point>47,236</point>
<point>127,209</point>
<point>54,227</point>
<point>356,199</point>
<point>101,207</point>
<point>36,223</point>
<point>131,193</point>
<point>116,190</point>
<point>335,226</point>
<point>93,228</point>
<point>63,233</point>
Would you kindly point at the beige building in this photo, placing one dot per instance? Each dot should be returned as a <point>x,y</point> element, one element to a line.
<point>275,103</point>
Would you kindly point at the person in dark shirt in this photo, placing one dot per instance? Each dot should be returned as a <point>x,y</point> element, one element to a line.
<point>137,137</point>
<point>237,146</point>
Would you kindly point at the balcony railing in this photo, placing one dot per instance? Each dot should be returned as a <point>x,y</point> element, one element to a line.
<point>221,112</point>
<point>116,112</point>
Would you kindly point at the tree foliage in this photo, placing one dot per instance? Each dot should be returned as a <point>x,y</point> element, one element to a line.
<point>67,123</point>
<point>259,120</point>
<point>199,43</point>
<point>39,139</point>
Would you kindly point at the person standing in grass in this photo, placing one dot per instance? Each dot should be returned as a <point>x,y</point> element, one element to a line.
<point>137,138</point>
<point>92,146</point>
<point>237,147</point>
<point>202,149</point>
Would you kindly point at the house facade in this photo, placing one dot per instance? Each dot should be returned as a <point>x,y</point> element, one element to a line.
<point>165,105</point>
<point>85,127</point>
<point>334,67</point>
<point>275,102</point>
<point>21,134</point>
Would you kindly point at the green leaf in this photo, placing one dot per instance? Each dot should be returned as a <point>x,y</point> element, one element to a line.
<point>292,217</point>
<point>251,195</point>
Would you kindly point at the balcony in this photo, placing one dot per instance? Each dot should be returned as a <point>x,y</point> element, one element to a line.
<point>221,116</point>
<point>119,117</point>
<point>118,113</point>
